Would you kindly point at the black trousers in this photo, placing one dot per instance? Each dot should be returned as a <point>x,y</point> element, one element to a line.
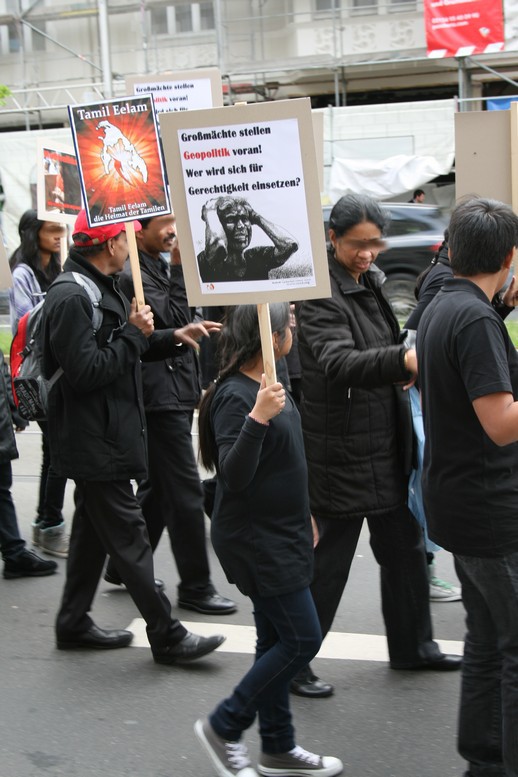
<point>52,487</point>
<point>397,543</point>
<point>172,496</point>
<point>108,521</point>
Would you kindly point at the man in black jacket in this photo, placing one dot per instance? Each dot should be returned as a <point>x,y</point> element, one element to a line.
<point>97,437</point>
<point>172,494</point>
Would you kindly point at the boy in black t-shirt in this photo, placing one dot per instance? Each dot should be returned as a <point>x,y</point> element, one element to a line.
<point>468,372</point>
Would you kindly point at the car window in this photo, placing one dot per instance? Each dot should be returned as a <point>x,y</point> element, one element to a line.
<point>400,224</point>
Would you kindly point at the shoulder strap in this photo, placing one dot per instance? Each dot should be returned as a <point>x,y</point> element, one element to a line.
<point>95,295</point>
<point>93,291</point>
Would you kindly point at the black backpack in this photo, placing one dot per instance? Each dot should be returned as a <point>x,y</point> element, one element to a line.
<point>30,388</point>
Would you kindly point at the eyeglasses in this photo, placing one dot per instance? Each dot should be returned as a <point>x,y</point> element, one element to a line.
<point>375,246</point>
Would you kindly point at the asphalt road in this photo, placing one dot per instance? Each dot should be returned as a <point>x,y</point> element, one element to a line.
<point>117,714</point>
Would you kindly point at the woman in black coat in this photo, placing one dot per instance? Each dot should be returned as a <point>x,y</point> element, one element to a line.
<point>358,439</point>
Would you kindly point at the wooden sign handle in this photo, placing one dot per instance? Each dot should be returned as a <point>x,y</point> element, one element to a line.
<point>265,329</point>
<point>135,264</point>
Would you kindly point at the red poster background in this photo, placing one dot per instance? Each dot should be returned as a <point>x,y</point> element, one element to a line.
<point>463,28</point>
<point>119,160</point>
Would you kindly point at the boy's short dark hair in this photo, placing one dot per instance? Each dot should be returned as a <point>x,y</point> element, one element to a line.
<point>482,233</point>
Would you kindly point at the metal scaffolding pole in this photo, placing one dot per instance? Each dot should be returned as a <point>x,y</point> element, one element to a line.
<point>104,41</point>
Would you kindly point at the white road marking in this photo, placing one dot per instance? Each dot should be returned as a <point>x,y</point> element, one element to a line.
<point>337,645</point>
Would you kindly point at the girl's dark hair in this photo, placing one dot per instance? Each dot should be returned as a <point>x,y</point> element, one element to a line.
<point>353,209</point>
<point>440,257</point>
<point>239,342</point>
<point>28,252</point>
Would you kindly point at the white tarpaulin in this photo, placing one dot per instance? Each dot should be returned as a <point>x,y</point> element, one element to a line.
<point>385,177</point>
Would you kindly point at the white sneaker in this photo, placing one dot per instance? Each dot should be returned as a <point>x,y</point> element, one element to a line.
<point>299,763</point>
<point>441,591</point>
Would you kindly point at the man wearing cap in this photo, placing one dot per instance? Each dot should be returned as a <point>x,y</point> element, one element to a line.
<point>98,437</point>
<point>172,495</point>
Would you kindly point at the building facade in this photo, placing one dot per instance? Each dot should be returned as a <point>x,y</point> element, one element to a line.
<point>338,52</point>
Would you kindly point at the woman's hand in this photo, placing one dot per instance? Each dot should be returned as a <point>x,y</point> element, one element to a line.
<point>410,361</point>
<point>316,534</point>
<point>270,401</point>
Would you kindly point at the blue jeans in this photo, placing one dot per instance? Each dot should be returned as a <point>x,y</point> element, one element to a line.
<point>288,637</point>
<point>11,544</point>
<point>488,720</point>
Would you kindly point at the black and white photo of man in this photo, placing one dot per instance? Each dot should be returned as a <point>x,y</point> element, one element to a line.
<point>229,223</point>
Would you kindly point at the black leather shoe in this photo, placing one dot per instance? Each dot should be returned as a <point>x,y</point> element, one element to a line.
<point>443,663</point>
<point>305,683</point>
<point>210,604</point>
<point>190,648</point>
<point>28,564</point>
<point>114,579</point>
<point>97,639</point>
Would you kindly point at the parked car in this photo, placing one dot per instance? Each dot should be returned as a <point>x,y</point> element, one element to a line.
<point>414,235</point>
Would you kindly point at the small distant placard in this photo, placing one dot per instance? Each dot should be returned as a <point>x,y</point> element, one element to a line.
<point>59,187</point>
<point>185,90</point>
<point>247,203</point>
<point>119,160</point>
<point>6,279</point>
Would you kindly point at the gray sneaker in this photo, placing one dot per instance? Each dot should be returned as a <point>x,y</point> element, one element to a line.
<point>230,759</point>
<point>298,763</point>
<point>53,541</point>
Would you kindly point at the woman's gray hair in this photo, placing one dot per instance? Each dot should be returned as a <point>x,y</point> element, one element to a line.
<point>353,209</point>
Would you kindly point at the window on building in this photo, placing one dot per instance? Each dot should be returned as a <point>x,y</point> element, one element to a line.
<point>207,16</point>
<point>13,32</point>
<point>360,7</point>
<point>13,28</point>
<point>326,6</point>
<point>182,18</point>
<point>402,6</point>
<point>39,41</point>
<point>158,21</point>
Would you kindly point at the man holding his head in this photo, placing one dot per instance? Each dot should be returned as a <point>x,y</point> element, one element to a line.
<point>229,222</point>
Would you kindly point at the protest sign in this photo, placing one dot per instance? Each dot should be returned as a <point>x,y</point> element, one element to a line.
<point>6,279</point>
<point>119,160</point>
<point>59,188</point>
<point>247,202</point>
<point>185,90</point>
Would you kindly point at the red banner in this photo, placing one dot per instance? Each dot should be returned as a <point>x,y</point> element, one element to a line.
<point>461,28</point>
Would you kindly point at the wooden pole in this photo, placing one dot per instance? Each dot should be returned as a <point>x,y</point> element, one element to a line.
<point>135,264</point>
<point>265,329</point>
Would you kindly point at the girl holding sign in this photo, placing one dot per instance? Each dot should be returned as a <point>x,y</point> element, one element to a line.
<point>262,534</point>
